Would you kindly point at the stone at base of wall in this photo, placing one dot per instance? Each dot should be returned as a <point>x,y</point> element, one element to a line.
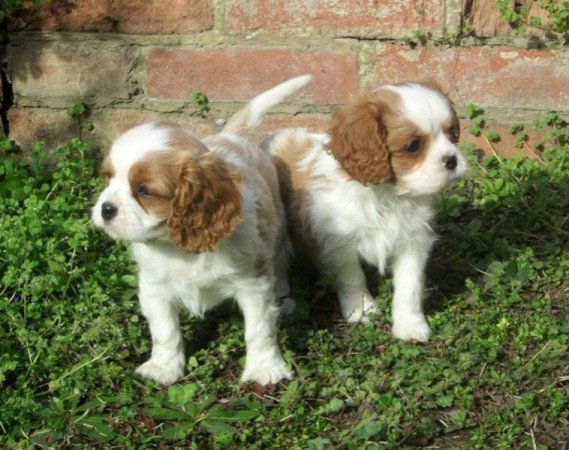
<point>55,127</point>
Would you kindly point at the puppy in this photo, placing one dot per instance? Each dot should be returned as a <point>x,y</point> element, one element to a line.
<point>364,192</point>
<point>206,223</point>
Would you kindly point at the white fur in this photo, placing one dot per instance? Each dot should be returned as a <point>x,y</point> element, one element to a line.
<point>247,120</point>
<point>383,224</point>
<point>170,277</point>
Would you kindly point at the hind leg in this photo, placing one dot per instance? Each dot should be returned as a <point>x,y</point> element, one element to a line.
<point>344,268</point>
<point>282,288</point>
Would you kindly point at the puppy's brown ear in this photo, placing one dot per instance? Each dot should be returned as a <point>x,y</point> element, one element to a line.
<point>358,140</point>
<point>206,205</point>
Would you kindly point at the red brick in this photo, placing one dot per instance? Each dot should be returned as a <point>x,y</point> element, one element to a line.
<point>241,73</point>
<point>126,16</point>
<point>488,76</point>
<point>70,70</point>
<point>359,18</point>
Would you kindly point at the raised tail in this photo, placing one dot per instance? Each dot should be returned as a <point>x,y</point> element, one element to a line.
<point>246,121</point>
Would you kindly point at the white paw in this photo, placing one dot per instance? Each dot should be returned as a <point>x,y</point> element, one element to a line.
<point>411,328</point>
<point>270,371</point>
<point>161,373</point>
<point>361,313</point>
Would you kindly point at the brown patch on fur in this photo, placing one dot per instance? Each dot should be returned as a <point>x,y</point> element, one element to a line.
<point>401,136</point>
<point>452,127</point>
<point>206,205</point>
<point>433,85</point>
<point>190,189</point>
<point>371,137</point>
<point>157,174</point>
<point>182,139</point>
<point>288,154</point>
<point>358,140</point>
<point>260,172</point>
<point>107,171</point>
<point>294,182</point>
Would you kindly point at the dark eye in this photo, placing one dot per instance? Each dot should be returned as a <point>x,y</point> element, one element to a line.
<point>455,134</point>
<point>143,192</point>
<point>106,178</point>
<point>415,146</point>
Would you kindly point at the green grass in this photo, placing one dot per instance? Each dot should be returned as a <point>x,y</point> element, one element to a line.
<point>494,374</point>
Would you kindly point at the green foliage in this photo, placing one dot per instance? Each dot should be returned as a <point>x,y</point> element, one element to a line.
<point>476,116</point>
<point>418,37</point>
<point>493,375</point>
<point>78,112</point>
<point>477,127</point>
<point>518,130</point>
<point>518,16</point>
<point>554,128</point>
<point>57,278</point>
<point>512,13</point>
<point>558,15</point>
<point>202,102</point>
<point>7,7</point>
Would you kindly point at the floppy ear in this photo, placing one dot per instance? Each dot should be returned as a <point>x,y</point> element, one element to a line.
<point>206,204</point>
<point>358,140</point>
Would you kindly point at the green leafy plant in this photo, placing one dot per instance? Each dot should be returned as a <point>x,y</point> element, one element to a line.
<point>186,409</point>
<point>202,102</point>
<point>7,7</point>
<point>418,37</point>
<point>518,16</point>
<point>77,112</point>
<point>475,115</point>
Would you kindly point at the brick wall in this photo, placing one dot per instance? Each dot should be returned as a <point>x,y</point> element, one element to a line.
<point>136,59</point>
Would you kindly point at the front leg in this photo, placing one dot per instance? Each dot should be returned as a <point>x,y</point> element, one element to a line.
<point>264,363</point>
<point>167,361</point>
<point>409,321</point>
<point>342,265</point>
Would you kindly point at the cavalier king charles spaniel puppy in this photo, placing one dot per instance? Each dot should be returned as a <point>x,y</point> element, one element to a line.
<point>206,223</point>
<point>364,191</point>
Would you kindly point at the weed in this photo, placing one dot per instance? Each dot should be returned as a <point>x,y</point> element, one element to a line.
<point>202,103</point>
<point>7,7</point>
<point>519,19</point>
<point>78,111</point>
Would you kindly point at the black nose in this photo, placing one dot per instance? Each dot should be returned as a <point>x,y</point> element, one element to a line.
<point>450,162</point>
<point>108,211</point>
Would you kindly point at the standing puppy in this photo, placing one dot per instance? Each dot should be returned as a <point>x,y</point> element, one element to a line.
<point>206,223</point>
<point>364,192</point>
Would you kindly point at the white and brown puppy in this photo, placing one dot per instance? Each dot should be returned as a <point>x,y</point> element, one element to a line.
<point>364,192</point>
<point>206,224</point>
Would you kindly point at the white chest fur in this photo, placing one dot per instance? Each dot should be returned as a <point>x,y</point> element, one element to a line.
<point>199,281</point>
<point>374,220</point>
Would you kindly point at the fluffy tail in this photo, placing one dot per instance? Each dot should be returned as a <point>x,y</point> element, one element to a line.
<point>246,121</point>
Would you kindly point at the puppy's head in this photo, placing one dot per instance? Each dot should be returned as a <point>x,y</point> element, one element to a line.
<point>162,183</point>
<point>405,134</point>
